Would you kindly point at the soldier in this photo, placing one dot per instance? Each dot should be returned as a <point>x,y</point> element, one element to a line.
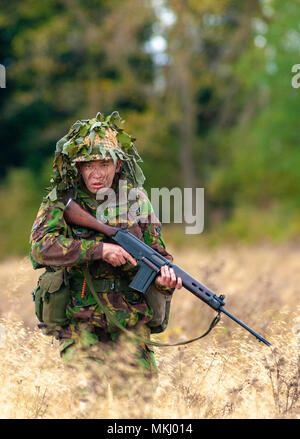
<point>96,154</point>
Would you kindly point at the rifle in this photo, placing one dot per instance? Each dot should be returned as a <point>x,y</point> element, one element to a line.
<point>149,261</point>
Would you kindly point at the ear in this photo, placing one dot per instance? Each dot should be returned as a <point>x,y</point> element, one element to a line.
<point>118,165</point>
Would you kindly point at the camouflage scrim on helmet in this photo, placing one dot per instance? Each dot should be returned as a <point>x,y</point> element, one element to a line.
<point>93,139</point>
<point>104,148</point>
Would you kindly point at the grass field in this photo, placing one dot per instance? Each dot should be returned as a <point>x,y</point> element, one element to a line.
<point>228,374</point>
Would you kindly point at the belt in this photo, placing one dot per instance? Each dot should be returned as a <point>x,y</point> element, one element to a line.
<point>102,285</point>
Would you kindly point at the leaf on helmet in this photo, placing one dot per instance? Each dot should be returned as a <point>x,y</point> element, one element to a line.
<point>84,129</point>
<point>124,139</point>
<point>113,156</point>
<point>53,194</point>
<point>102,149</point>
<point>92,138</point>
<point>96,125</point>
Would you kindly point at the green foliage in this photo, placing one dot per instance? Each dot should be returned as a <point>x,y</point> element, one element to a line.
<point>258,156</point>
<point>19,200</point>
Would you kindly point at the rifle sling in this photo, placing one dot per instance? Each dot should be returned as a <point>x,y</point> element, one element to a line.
<point>130,334</point>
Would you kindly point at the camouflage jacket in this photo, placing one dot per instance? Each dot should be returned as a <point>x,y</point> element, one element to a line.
<point>54,243</point>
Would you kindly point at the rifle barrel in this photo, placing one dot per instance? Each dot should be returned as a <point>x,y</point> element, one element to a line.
<point>259,337</point>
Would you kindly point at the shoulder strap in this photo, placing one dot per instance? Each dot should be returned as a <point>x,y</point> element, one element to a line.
<point>130,334</point>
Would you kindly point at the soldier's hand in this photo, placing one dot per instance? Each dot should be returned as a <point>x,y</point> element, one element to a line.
<point>167,278</point>
<point>116,255</point>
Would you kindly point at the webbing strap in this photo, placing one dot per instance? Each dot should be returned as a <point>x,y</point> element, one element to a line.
<point>103,285</point>
<point>130,334</point>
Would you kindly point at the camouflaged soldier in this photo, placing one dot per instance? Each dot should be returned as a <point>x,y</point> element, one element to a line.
<point>95,154</point>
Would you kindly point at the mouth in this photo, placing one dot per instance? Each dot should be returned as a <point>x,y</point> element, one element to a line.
<point>98,185</point>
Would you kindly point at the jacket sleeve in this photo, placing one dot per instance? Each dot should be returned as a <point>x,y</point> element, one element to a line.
<point>50,244</point>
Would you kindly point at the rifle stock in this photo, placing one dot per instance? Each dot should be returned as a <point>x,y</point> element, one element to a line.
<point>76,215</point>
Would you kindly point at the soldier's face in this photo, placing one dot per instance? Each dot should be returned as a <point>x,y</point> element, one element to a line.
<point>98,174</point>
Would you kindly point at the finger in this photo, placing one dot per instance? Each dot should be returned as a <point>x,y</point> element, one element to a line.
<point>161,277</point>
<point>165,270</point>
<point>173,280</point>
<point>159,280</point>
<point>165,274</point>
<point>129,258</point>
<point>114,262</point>
<point>122,260</point>
<point>179,283</point>
<point>161,272</point>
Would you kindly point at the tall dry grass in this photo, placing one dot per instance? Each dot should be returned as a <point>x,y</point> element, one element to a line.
<point>228,374</point>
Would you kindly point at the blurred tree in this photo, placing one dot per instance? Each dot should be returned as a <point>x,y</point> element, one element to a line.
<point>199,96</point>
<point>187,76</point>
<point>68,60</point>
<point>259,157</point>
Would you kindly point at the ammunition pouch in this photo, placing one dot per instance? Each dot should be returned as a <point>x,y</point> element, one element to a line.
<point>53,294</point>
<point>51,297</point>
<point>160,304</point>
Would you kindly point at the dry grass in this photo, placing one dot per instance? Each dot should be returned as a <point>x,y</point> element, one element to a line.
<point>226,375</point>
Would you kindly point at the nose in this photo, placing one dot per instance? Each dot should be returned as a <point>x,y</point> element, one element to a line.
<point>99,171</point>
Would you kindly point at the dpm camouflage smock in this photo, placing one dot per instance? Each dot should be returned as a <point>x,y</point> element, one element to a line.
<point>56,244</point>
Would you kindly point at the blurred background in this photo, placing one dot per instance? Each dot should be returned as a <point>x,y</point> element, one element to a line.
<point>208,90</point>
<point>205,86</point>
